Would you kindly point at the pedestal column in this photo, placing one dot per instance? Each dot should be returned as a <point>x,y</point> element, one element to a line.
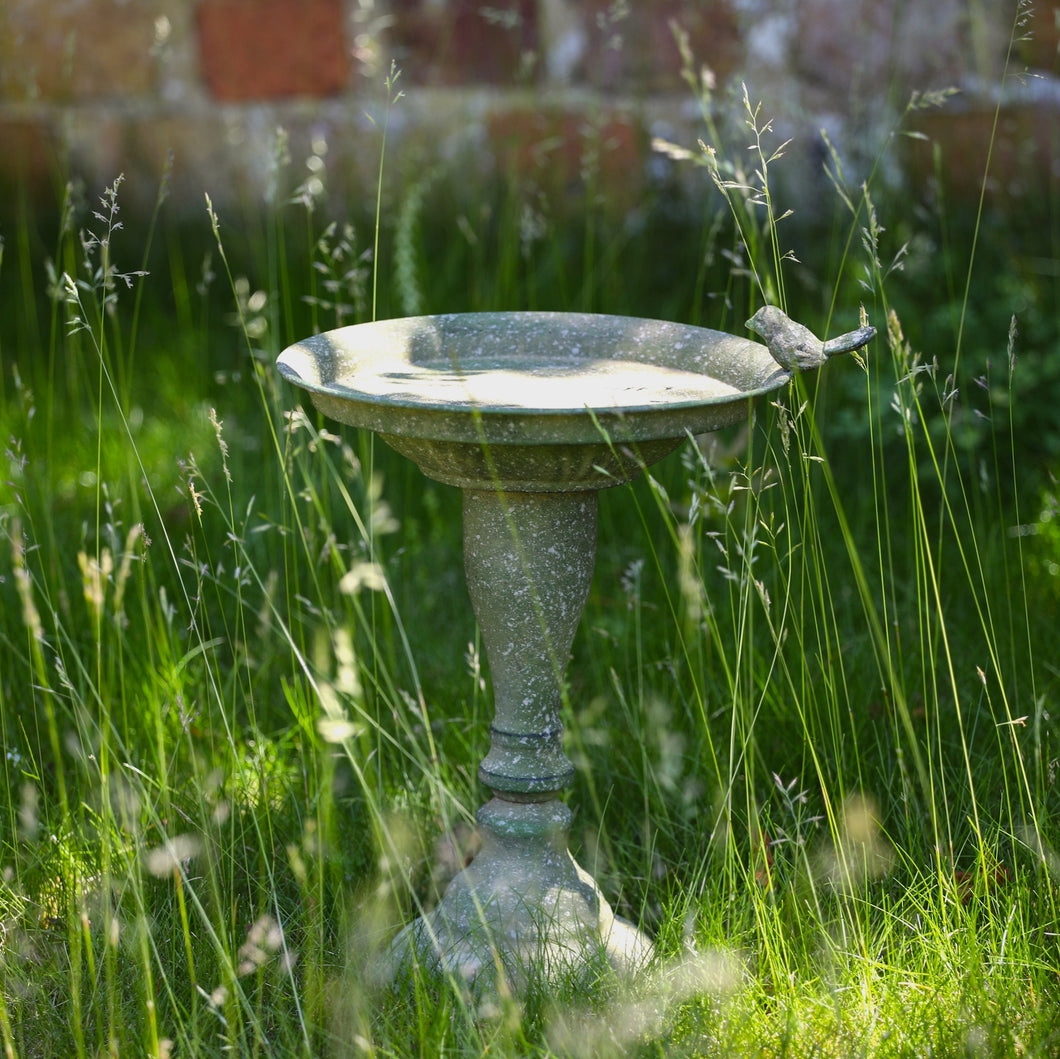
<point>524,910</point>
<point>529,562</point>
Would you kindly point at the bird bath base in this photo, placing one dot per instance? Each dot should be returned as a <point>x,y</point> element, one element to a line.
<point>531,414</point>
<point>523,911</point>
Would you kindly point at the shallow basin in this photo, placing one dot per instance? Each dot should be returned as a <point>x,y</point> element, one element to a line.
<point>532,401</point>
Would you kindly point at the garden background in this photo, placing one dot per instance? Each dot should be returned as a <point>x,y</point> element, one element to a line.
<point>241,695</point>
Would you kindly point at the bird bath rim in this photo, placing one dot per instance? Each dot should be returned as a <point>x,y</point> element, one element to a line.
<point>532,378</point>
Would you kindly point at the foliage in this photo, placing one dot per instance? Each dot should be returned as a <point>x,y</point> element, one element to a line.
<point>241,691</point>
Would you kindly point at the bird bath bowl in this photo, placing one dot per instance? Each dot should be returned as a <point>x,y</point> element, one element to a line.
<point>530,414</point>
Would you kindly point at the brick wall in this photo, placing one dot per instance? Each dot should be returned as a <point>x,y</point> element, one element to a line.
<point>97,87</point>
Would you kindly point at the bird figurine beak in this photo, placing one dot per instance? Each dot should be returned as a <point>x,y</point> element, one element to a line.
<point>795,347</point>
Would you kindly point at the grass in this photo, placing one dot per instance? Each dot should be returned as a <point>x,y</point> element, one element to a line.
<point>241,691</point>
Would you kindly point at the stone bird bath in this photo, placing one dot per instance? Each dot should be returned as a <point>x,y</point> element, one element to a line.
<point>530,414</point>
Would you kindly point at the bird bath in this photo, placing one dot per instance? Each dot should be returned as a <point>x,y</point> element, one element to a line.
<point>530,414</point>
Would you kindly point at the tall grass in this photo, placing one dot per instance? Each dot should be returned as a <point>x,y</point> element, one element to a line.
<point>242,699</point>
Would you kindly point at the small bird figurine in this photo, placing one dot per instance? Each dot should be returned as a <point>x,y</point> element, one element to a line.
<point>796,348</point>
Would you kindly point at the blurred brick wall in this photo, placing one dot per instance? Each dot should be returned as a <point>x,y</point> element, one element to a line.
<point>97,87</point>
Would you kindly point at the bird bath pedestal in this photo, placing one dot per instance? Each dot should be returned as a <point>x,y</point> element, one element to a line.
<point>530,415</point>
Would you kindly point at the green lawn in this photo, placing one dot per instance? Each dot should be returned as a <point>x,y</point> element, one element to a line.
<point>241,693</point>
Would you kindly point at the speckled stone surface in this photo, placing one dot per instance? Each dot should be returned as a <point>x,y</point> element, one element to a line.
<point>532,401</point>
<point>531,414</point>
<point>528,558</point>
<point>508,367</point>
<point>523,911</point>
